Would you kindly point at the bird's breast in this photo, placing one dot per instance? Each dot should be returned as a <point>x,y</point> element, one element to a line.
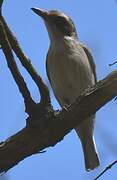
<point>69,72</point>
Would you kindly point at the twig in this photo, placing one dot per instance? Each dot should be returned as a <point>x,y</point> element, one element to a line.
<point>29,103</point>
<point>26,62</point>
<point>113,63</point>
<point>106,169</point>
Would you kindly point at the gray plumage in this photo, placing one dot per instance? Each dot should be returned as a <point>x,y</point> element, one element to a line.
<point>70,69</point>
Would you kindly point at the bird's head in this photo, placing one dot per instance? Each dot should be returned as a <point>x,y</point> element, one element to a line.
<point>58,24</point>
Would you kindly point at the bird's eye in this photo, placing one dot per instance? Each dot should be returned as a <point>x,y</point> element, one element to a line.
<point>64,25</point>
<point>61,20</point>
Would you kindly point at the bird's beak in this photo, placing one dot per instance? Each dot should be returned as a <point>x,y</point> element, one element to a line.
<point>40,12</point>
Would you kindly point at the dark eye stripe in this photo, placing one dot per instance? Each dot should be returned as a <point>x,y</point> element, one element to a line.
<point>64,25</point>
<point>60,19</point>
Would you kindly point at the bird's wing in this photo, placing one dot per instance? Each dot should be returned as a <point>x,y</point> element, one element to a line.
<point>47,70</point>
<point>91,61</point>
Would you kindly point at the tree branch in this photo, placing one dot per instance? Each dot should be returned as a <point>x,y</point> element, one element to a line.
<point>46,127</point>
<point>1,3</point>
<point>29,103</point>
<point>26,62</point>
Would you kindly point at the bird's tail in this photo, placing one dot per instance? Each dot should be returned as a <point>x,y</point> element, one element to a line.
<point>85,133</point>
<point>90,154</point>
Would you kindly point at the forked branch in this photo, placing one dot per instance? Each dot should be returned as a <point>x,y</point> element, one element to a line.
<point>26,62</point>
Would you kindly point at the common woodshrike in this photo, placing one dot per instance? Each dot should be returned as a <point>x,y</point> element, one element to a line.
<point>70,69</point>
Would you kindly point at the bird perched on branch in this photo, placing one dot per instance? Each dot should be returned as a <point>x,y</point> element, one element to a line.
<point>70,69</point>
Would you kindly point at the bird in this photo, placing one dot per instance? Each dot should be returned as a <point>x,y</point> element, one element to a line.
<point>71,70</point>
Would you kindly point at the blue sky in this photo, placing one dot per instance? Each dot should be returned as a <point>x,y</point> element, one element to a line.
<point>96,25</point>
